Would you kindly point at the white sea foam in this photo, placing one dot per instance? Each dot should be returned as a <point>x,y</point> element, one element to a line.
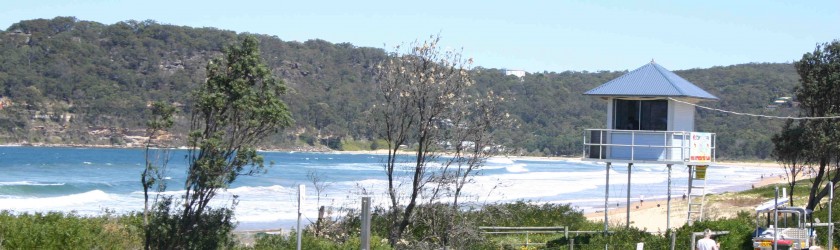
<point>29,183</point>
<point>248,190</point>
<point>350,166</point>
<point>516,168</point>
<point>499,160</point>
<point>490,167</point>
<point>54,203</point>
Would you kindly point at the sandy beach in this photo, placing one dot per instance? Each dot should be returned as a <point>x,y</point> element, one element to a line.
<point>651,215</point>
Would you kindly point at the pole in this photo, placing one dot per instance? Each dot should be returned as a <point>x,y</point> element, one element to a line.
<point>830,222</point>
<point>365,237</point>
<point>301,193</point>
<point>693,241</point>
<point>629,169</point>
<point>607,200</point>
<point>673,240</point>
<point>668,203</point>
<point>776,220</point>
<point>690,176</point>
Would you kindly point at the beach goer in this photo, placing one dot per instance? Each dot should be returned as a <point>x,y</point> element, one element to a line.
<point>707,243</point>
<point>642,199</point>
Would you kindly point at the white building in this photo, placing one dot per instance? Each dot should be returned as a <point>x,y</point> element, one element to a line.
<point>514,72</point>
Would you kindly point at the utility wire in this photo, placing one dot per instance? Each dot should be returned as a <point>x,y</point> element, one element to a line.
<point>756,115</point>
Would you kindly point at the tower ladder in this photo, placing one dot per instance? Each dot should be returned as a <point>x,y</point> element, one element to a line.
<point>696,193</point>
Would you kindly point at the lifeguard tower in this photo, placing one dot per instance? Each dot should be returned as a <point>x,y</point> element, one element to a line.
<point>650,119</point>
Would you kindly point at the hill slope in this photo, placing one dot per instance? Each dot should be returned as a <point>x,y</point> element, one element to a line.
<point>69,81</point>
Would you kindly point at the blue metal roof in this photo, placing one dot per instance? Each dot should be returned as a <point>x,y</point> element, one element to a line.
<point>651,80</point>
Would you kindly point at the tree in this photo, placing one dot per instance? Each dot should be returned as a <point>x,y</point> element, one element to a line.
<point>235,108</point>
<point>319,182</point>
<point>819,96</point>
<point>791,151</point>
<point>421,91</point>
<point>156,161</point>
<point>472,131</point>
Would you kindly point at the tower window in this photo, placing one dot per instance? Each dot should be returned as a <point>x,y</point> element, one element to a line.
<point>640,114</point>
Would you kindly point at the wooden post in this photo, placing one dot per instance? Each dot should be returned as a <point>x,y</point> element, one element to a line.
<point>301,198</point>
<point>365,237</point>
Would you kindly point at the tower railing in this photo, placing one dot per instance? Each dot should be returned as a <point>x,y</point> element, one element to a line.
<point>646,146</point>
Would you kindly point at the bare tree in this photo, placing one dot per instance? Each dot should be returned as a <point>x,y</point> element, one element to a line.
<point>469,140</point>
<point>319,182</point>
<point>427,99</point>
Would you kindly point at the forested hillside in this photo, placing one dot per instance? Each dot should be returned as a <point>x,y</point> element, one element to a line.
<point>67,81</point>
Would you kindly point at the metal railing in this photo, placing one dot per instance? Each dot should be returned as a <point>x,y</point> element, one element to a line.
<point>644,145</point>
<point>570,235</point>
<point>527,231</point>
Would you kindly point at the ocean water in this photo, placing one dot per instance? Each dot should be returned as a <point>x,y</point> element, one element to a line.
<point>92,180</point>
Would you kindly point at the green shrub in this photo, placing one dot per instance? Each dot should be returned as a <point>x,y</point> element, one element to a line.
<point>307,139</point>
<point>627,238</point>
<point>56,230</point>
<point>527,214</point>
<point>212,229</point>
<point>308,241</point>
<point>379,144</point>
<point>351,145</point>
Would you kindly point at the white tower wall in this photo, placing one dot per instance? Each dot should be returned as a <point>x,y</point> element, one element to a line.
<point>680,116</point>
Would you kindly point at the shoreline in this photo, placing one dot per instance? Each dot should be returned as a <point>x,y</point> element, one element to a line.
<point>728,163</point>
<point>654,211</point>
<point>654,215</point>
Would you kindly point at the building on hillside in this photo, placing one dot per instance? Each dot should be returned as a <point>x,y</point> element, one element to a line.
<point>514,72</point>
<point>650,119</point>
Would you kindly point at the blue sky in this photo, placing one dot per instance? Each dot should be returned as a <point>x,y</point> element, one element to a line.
<point>530,35</point>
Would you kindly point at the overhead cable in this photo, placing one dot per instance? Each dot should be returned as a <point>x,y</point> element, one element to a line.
<point>757,115</point>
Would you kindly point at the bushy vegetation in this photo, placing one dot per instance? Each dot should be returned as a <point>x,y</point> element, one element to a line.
<point>170,228</point>
<point>65,77</point>
<point>58,231</point>
<point>70,231</point>
<point>522,213</point>
<point>308,241</point>
<point>822,214</point>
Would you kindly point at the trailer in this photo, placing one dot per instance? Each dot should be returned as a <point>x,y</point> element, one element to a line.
<point>787,227</point>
